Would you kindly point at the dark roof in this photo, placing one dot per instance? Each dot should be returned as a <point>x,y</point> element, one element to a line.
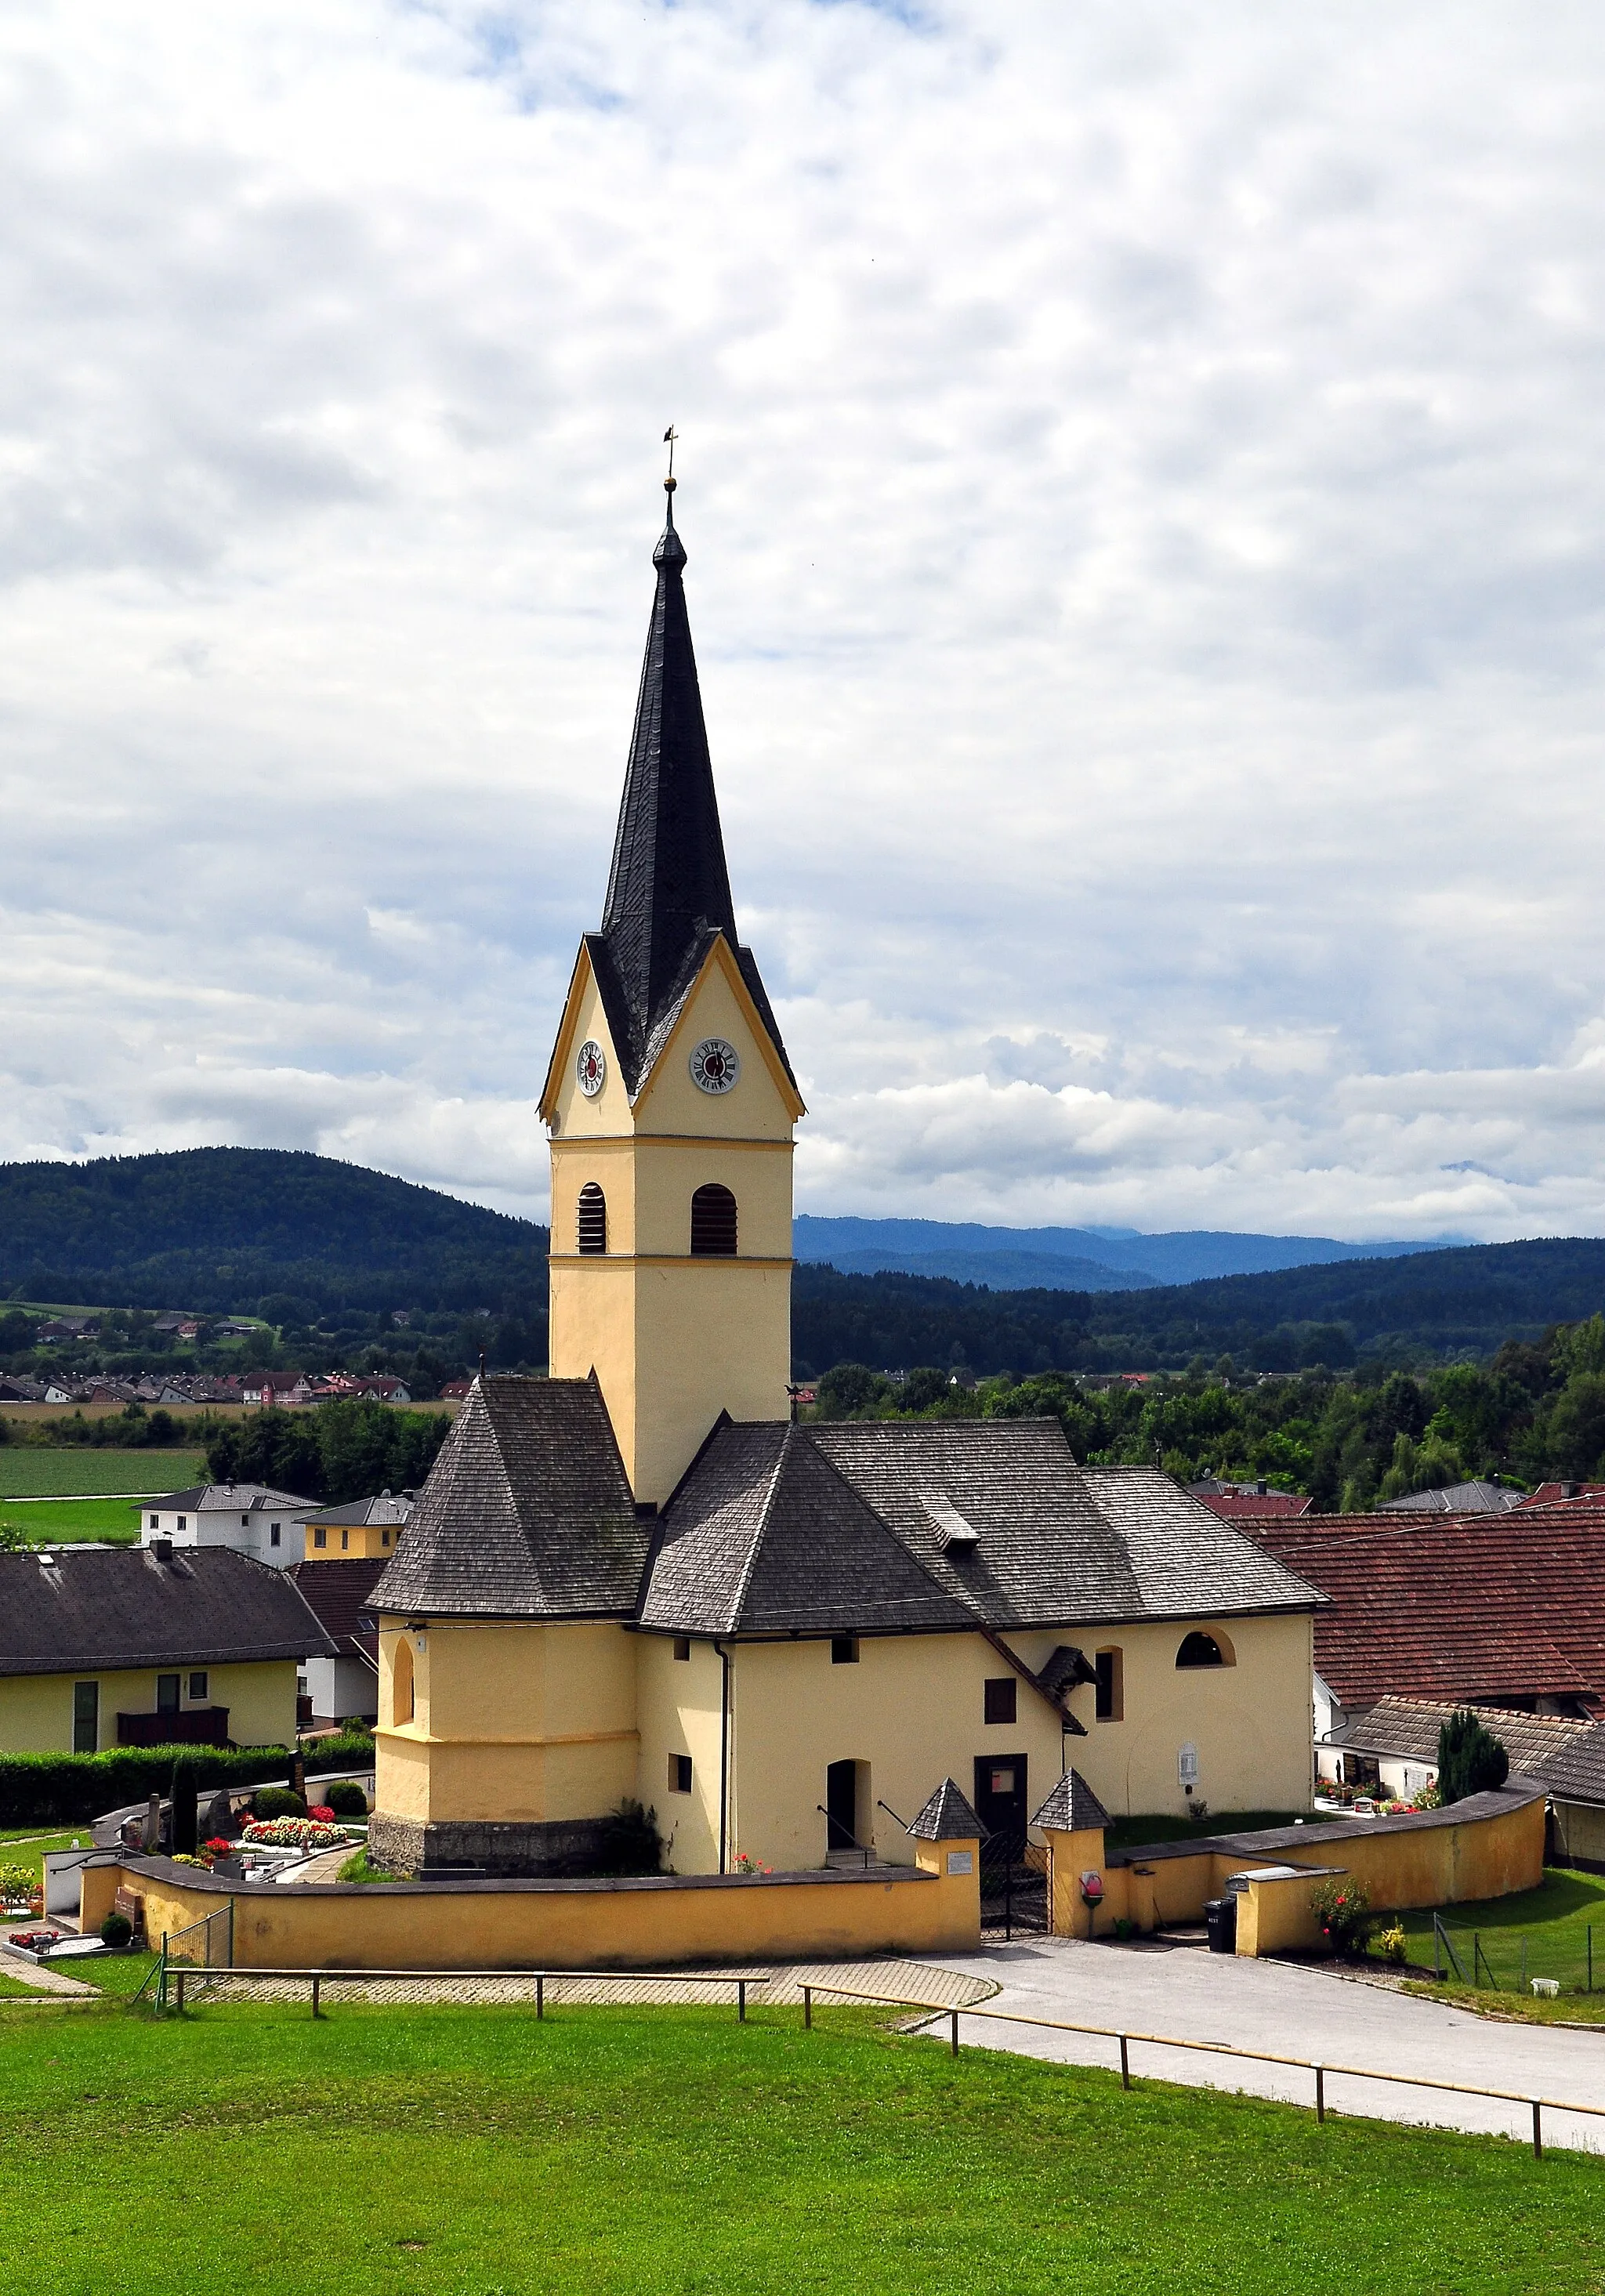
<point>1459,1607</point>
<point>388,1507</point>
<point>1260,1848</point>
<point>864,1526</point>
<point>1072,1808</point>
<point>947,1816</point>
<point>1575,1769</point>
<point>337,1595</point>
<point>1456,1498</point>
<point>526,1514</point>
<point>229,1498</point>
<point>1406,1729</point>
<point>668,889</point>
<point>104,1607</point>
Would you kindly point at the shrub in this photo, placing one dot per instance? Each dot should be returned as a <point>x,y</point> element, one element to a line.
<point>116,1930</point>
<point>321,1813</point>
<point>17,1884</point>
<point>353,1750</point>
<point>1391,1943</point>
<point>629,1841</point>
<point>276,1801</point>
<point>1343,1909</point>
<point>346,1799</point>
<point>70,1789</point>
<point>1470,1758</point>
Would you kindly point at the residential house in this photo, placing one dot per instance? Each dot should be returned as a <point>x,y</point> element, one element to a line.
<point>636,1577</point>
<point>1393,1745</point>
<point>139,1646</point>
<point>250,1518</point>
<point>366,1526</point>
<point>344,1687</point>
<point>1455,1498</point>
<point>1248,1502</point>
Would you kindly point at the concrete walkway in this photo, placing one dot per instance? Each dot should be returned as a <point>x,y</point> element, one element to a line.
<point>1292,2011</point>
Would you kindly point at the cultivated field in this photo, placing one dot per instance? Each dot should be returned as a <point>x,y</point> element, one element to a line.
<point>476,2153</point>
<point>34,1470</point>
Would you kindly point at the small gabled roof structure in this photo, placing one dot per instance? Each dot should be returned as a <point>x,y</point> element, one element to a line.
<point>1072,1808</point>
<point>947,1816</point>
<point>526,1512</point>
<point>340,1595</point>
<point>388,1507</point>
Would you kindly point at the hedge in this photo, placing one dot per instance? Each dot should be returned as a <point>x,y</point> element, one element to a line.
<point>73,1789</point>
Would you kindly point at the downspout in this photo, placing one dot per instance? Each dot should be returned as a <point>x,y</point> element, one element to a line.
<point>723,1752</point>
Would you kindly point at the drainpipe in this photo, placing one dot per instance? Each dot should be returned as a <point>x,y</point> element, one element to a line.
<point>723,1752</point>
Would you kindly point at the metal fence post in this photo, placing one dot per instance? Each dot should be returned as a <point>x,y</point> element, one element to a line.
<point>540,1997</point>
<point>1125,2064</point>
<point>741,2001</point>
<point>1538,2131</point>
<point>955,2032</point>
<point>178,2003</point>
<point>316,2010</point>
<point>808,2008</point>
<point>161,1975</point>
<point>1320,2095</point>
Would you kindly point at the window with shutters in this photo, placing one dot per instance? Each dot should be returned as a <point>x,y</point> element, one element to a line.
<point>713,1221</point>
<point>592,1218</point>
<point>1000,1699</point>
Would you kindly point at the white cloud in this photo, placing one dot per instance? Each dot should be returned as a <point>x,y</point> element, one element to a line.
<point>1143,482</point>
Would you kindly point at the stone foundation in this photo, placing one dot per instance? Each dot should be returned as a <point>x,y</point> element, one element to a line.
<point>562,1848</point>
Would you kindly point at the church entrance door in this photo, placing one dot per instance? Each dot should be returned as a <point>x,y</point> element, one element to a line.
<point>841,1806</point>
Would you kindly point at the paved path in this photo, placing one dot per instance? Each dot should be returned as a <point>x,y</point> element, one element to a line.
<point>766,1987</point>
<point>1295,2011</point>
<point>39,1974</point>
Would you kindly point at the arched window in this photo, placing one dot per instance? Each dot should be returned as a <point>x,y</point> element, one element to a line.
<point>1204,1650</point>
<point>401,1682</point>
<point>592,1218</point>
<point>713,1220</point>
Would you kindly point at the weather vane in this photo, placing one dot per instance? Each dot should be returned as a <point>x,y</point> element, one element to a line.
<point>669,437</point>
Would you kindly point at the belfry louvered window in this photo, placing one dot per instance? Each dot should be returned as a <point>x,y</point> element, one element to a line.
<point>713,1220</point>
<point>592,1218</point>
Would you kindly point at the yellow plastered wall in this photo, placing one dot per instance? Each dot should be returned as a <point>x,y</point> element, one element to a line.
<point>636,1924</point>
<point>911,1709</point>
<point>1250,1721</point>
<point>36,1709</point>
<point>674,1339</point>
<point>678,1703</point>
<point>509,1722</point>
<point>345,1540</point>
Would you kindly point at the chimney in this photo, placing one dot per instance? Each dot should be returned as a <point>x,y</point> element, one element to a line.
<point>162,1549</point>
<point>1569,1490</point>
<point>1260,1487</point>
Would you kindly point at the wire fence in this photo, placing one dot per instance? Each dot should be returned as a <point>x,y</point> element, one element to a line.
<point>1558,1958</point>
<point>550,1989</point>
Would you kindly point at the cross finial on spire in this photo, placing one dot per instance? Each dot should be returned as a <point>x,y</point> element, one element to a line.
<point>669,437</point>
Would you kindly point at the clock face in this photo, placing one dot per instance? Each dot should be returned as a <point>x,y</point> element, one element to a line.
<point>590,1068</point>
<point>715,1065</point>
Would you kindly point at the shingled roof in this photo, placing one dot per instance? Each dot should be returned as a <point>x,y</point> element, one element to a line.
<point>848,1528</point>
<point>1457,1607</point>
<point>668,889</point>
<point>1072,1808</point>
<point>947,1816</point>
<point>526,1514</point>
<point>78,1609</point>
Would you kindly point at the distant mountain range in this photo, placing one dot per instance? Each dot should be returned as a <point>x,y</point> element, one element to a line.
<point>1067,1258</point>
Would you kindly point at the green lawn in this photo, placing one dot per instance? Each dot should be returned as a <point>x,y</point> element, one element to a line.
<point>25,1845</point>
<point>1553,1921</point>
<point>479,2153</point>
<point>43,1521</point>
<point>39,1471</point>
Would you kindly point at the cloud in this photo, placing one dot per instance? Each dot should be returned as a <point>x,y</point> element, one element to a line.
<point>1143,485</point>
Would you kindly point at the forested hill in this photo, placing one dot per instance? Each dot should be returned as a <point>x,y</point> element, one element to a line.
<point>1431,1305</point>
<point>218,1229</point>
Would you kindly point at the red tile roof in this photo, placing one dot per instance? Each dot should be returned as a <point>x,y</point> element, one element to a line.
<point>1454,1606</point>
<point>1562,1494</point>
<point>1241,1506</point>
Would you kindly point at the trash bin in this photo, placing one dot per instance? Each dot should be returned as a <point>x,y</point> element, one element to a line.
<point>1221,1914</point>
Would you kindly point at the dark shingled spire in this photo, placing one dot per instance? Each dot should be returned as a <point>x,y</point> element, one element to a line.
<point>669,886</point>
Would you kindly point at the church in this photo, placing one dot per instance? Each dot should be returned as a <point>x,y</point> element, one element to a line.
<point>638,1580</point>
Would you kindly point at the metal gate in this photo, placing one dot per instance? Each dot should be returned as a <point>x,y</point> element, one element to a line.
<point>1014,1887</point>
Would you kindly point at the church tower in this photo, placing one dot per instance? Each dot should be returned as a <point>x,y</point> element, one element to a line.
<point>671,1103</point>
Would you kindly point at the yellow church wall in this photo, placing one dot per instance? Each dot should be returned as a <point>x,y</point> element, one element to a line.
<point>760,1106</point>
<point>678,1704</point>
<point>602,1924</point>
<point>1250,1722</point>
<point>520,1722</point>
<point>911,1709</point>
<point>36,1709</point>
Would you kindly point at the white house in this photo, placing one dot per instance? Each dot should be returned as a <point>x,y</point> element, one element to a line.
<point>268,1525</point>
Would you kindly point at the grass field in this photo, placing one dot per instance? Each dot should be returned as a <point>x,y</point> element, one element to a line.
<point>26,1846</point>
<point>479,2153</point>
<point>29,1470</point>
<point>1542,1932</point>
<point>48,1520</point>
<point>1123,1832</point>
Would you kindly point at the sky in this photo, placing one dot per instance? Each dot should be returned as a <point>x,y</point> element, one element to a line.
<point>1142,472</point>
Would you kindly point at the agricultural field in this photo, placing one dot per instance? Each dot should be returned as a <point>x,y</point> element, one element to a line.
<point>51,1521</point>
<point>36,1471</point>
<point>478,2152</point>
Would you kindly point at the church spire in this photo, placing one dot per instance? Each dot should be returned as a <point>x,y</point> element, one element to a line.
<point>668,885</point>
